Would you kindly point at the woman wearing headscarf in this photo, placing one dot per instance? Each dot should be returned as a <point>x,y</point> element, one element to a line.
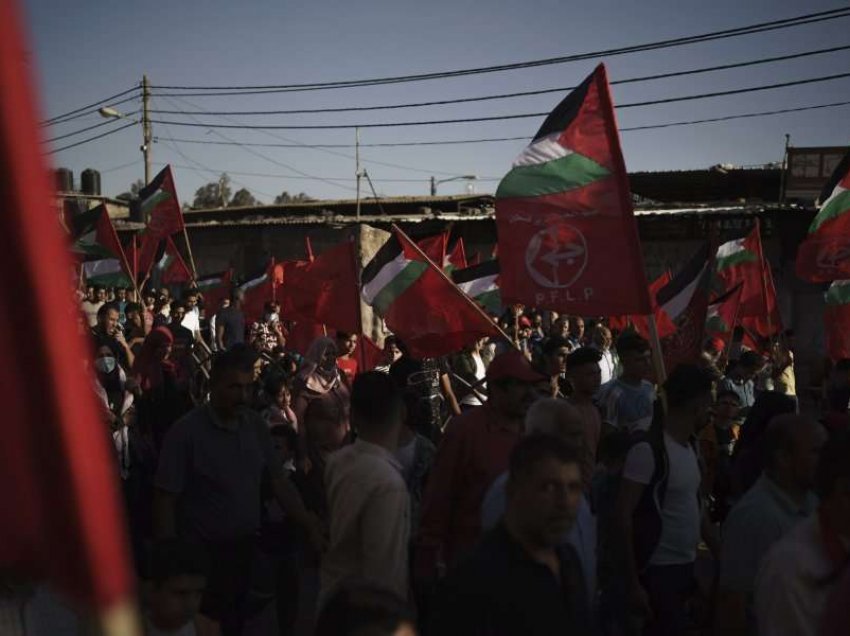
<point>163,400</point>
<point>321,404</point>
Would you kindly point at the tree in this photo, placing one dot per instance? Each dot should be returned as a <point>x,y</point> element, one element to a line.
<point>242,198</point>
<point>213,195</point>
<point>284,197</point>
<point>135,188</point>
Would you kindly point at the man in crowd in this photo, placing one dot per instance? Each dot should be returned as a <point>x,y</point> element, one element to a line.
<point>368,502</point>
<point>626,402</point>
<point>717,443</point>
<point>230,323</point>
<point>585,375</point>
<point>576,331</point>
<point>468,371</point>
<point>554,417</point>
<point>801,585</point>
<point>107,332</point>
<point>780,499</point>
<point>192,319</point>
<point>208,486</point>
<point>602,341</point>
<point>346,344</point>
<point>474,451</point>
<point>658,507</point>
<point>95,299</point>
<point>740,378</point>
<point>522,579</point>
<point>554,364</point>
<point>121,303</point>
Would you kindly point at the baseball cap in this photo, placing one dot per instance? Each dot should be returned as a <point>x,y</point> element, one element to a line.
<point>512,365</point>
<point>524,322</point>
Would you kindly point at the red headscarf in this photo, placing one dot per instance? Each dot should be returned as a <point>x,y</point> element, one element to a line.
<point>148,369</point>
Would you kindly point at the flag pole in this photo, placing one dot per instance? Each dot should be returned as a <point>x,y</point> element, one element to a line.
<point>763,277</point>
<point>457,289</point>
<point>189,251</point>
<point>657,354</point>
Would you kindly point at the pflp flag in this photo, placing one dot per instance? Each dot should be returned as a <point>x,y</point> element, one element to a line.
<point>481,283</point>
<point>825,253</point>
<point>61,520</point>
<point>324,290</point>
<point>419,303</point>
<point>685,301</point>
<point>836,320</point>
<point>161,208</point>
<point>567,234</point>
<point>94,236</point>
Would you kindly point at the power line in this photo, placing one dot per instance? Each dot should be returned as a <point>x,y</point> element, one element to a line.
<point>449,142</point>
<point>704,37</point>
<point>464,100</point>
<point>463,120</point>
<point>85,109</point>
<point>90,139</point>
<point>129,164</point>
<point>88,128</point>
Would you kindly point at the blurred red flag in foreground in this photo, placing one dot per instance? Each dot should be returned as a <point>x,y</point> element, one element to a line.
<point>61,514</point>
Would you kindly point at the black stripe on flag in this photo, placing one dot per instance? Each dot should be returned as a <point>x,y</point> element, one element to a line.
<point>685,276</point>
<point>565,112</point>
<point>388,252</point>
<point>482,270</point>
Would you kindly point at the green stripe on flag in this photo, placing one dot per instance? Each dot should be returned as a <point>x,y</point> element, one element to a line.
<point>559,175</point>
<point>835,206</point>
<point>154,200</point>
<point>491,300</point>
<point>741,257</point>
<point>838,293</point>
<point>398,285</point>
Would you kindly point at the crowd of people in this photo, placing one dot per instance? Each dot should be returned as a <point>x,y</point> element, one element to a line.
<point>546,483</point>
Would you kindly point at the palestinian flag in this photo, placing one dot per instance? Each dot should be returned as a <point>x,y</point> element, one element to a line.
<point>170,268</point>
<point>258,290</point>
<point>435,247</point>
<point>215,288</point>
<point>481,283</point>
<point>564,214</point>
<point>836,320</point>
<point>419,303</point>
<point>685,302</point>
<point>723,314</point>
<point>94,235</point>
<point>741,262</point>
<point>640,324</point>
<point>160,208</point>
<point>107,272</point>
<point>825,254</point>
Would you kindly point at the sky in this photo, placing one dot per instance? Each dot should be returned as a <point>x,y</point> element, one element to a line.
<point>86,50</point>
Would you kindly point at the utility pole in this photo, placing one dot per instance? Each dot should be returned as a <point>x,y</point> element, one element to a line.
<point>433,186</point>
<point>147,136</point>
<point>357,173</point>
<point>784,170</point>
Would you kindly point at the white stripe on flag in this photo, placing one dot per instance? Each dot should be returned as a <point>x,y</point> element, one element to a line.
<point>383,278</point>
<point>543,150</point>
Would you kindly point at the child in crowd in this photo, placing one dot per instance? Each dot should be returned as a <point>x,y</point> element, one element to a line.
<point>178,572</point>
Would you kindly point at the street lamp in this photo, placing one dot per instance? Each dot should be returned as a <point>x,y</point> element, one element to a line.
<point>111,113</point>
<point>435,182</point>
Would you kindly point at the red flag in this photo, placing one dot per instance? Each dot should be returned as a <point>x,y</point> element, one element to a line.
<point>457,257</point>
<point>685,301</point>
<point>836,320</point>
<point>370,354</point>
<point>302,334</point>
<point>258,291</point>
<point>435,247</point>
<point>419,303</point>
<point>175,269</point>
<point>324,291</point>
<point>215,288</point>
<point>825,254</point>
<point>641,323</point>
<point>564,214</point>
<point>61,515</point>
<point>161,207</point>
<point>131,250</point>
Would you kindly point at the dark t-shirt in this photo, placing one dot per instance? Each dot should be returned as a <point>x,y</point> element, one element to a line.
<point>233,322</point>
<point>217,473</point>
<point>500,591</point>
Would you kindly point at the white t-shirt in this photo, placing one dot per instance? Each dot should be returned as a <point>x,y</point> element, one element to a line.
<point>480,373</point>
<point>606,366</point>
<point>680,515</point>
<point>192,321</point>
